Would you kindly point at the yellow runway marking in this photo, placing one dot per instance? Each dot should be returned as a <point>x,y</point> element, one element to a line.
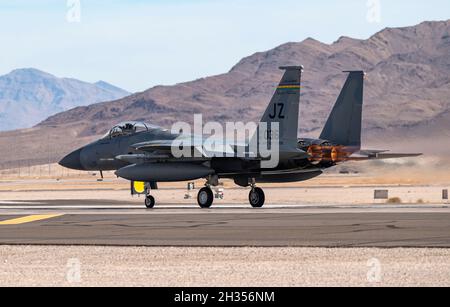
<point>28,219</point>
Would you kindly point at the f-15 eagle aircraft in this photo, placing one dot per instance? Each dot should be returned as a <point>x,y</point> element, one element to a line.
<point>141,152</point>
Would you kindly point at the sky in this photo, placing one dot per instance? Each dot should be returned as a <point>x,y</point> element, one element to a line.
<point>137,44</point>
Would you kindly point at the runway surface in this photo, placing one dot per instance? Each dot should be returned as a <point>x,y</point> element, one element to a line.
<point>86,222</point>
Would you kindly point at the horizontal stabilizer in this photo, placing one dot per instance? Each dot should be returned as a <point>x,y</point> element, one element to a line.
<point>294,171</point>
<point>379,155</point>
<point>371,152</point>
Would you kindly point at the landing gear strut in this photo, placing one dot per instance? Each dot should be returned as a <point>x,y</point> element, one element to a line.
<point>256,197</point>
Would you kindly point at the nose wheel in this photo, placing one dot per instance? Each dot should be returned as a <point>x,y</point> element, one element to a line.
<point>256,197</point>
<point>149,201</point>
<point>205,197</point>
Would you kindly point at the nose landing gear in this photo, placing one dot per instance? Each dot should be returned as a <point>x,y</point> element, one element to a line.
<point>149,201</point>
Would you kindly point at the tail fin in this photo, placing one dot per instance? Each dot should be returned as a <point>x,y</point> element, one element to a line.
<point>284,107</point>
<point>343,127</point>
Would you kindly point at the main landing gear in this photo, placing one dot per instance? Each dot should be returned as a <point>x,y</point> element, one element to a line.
<point>256,197</point>
<point>205,196</point>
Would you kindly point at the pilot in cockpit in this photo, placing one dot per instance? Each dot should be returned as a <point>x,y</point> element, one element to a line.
<point>129,128</point>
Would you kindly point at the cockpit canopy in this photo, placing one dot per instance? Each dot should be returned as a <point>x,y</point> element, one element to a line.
<point>128,128</point>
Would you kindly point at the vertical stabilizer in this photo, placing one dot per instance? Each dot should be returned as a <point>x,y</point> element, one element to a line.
<point>343,127</point>
<point>284,107</point>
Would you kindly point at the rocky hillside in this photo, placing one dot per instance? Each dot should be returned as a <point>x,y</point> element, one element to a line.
<point>28,96</point>
<point>406,98</point>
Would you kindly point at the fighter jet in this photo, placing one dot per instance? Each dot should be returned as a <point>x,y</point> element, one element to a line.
<point>143,153</point>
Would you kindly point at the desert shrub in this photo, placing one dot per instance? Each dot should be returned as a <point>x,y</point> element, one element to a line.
<point>394,200</point>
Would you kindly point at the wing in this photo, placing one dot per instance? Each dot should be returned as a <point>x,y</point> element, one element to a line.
<point>197,149</point>
<point>154,146</point>
<point>193,150</point>
<point>140,158</point>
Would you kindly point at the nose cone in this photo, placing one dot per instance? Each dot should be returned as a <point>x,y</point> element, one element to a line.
<point>72,160</point>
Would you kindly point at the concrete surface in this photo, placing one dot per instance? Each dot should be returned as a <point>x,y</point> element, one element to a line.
<point>93,223</point>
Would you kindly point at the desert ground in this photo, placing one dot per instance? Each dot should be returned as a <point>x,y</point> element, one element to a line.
<point>202,267</point>
<point>419,187</point>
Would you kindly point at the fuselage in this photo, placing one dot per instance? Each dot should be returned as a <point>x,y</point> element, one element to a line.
<point>102,155</point>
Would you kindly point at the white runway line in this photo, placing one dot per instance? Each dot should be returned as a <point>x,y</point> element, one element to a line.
<point>43,205</point>
<point>218,209</point>
<point>20,203</point>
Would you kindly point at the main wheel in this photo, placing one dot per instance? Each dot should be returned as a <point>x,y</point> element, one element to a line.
<point>257,198</point>
<point>149,201</point>
<point>205,198</point>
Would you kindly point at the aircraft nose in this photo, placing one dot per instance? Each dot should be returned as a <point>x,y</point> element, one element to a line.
<point>72,160</point>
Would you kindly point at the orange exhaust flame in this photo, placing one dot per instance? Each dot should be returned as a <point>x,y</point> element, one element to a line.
<point>333,154</point>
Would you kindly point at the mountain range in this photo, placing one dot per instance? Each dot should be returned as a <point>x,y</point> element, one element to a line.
<point>28,96</point>
<point>407,93</point>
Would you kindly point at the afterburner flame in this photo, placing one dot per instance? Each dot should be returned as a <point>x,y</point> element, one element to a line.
<point>327,154</point>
